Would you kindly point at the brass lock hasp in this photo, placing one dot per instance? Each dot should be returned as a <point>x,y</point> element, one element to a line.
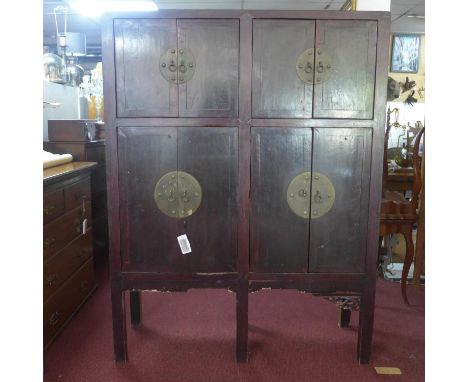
<point>308,201</point>
<point>305,66</point>
<point>177,66</point>
<point>178,194</point>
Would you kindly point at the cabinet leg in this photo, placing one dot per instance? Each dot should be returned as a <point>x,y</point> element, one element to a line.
<point>242,308</point>
<point>135,307</point>
<point>118,324</point>
<point>366,325</point>
<point>344,317</point>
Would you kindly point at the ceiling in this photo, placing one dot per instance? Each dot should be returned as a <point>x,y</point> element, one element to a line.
<point>400,10</point>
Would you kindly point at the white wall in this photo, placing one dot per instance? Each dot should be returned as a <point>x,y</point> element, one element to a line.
<point>67,96</point>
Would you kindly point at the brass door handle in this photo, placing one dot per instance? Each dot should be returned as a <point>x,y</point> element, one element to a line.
<point>78,222</point>
<point>305,66</point>
<point>52,279</point>
<point>54,318</point>
<point>182,67</point>
<point>320,67</point>
<point>84,286</point>
<point>49,242</point>
<point>80,195</point>
<point>180,62</point>
<point>82,253</point>
<point>178,194</point>
<point>48,209</point>
<point>172,66</point>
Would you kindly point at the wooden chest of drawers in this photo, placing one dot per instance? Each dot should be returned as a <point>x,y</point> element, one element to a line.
<point>68,252</point>
<point>92,151</point>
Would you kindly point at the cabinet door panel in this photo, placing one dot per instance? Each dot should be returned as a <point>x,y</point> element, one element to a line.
<point>210,155</point>
<point>277,91</point>
<point>148,237</point>
<point>338,238</point>
<point>278,237</point>
<point>349,91</point>
<point>141,89</point>
<point>213,89</point>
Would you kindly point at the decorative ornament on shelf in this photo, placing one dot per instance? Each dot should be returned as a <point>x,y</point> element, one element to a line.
<point>422,91</point>
<point>410,99</point>
<point>92,89</point>
<point>408,85</point>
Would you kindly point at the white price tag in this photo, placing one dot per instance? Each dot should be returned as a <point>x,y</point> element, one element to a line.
<point>184,244</point>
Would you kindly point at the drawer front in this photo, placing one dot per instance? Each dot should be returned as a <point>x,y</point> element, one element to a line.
<point>64,303</point>
<point>96,154</point>
<point>75,193</point>
<point>67,261</point>
<point>61,231</point>
<point>53,205</point>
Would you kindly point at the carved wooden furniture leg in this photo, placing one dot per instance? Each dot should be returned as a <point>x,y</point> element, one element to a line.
<point>135,307</point>
<point>408,233</point>
<point>344,318</point>
<point>242,307</point>
<point>118,323</point>
<point>419,252</point>
<point>366,324</point>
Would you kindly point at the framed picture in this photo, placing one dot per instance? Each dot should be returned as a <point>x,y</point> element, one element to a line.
<point>405,53</point>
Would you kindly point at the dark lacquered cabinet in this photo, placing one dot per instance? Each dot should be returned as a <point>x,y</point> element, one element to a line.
<point>258,137</point>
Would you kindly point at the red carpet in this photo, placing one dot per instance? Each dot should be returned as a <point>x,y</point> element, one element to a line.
<point>190,336</point>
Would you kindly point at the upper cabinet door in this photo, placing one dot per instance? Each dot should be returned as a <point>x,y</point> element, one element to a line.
<point>277,90</point>
<point>141,89</point>
<point>347,89</point>
<point>214,46</point>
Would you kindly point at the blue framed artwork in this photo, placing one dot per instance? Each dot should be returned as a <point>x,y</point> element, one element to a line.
<point>405,53</point>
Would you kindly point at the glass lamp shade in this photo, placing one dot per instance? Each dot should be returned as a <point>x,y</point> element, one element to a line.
<point>75,44</point>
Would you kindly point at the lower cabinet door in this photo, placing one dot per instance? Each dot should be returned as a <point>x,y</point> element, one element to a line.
<point>174,182</point>
<point>338,237</point>
<point>309,199</point>
<point>279,236</point>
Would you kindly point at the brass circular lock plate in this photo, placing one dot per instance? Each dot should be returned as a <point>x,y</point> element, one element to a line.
<point>310,202</point>
<point>323,66</point>
<point>322,195</point>
<point>177,66</point>
<point>305,66</point>
<point>178,194</point>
